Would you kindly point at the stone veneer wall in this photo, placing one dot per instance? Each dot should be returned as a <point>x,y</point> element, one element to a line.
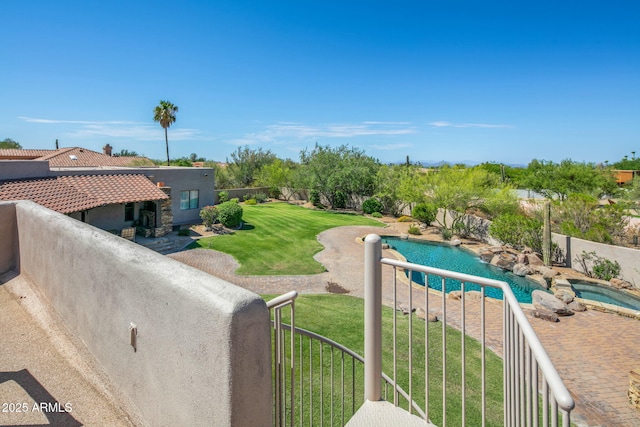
<point>634,388</point>
<point>166,214</point>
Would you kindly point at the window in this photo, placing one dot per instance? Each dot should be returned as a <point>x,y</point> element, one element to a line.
<point>189,199</point>
<point>129,211</point>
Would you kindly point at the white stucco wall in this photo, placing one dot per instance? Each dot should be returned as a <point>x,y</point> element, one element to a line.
<point>203,344</point>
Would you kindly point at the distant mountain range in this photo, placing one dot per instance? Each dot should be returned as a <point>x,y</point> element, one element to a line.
<point>432,164</point>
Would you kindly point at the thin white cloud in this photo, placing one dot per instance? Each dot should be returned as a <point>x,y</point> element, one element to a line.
<point>117,129</point>
<point>441,124</point>
<point>300,131</point>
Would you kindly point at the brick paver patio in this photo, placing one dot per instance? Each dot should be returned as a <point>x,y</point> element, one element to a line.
<point>593,351</point>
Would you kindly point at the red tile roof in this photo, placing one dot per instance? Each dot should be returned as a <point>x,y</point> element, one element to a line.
<point>67,194</point>
<point>20,154</point>
<point>73,157</point>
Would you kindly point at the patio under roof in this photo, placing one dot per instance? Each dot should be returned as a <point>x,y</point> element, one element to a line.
<point>68,194</point>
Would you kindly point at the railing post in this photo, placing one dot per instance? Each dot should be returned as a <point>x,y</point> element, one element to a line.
<point>372,318</point>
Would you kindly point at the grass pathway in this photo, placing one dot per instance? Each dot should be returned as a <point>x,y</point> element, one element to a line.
<point>279,238</point>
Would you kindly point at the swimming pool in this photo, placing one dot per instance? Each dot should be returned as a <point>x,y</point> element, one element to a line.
<point>457,259</point>
<point>601,293</point>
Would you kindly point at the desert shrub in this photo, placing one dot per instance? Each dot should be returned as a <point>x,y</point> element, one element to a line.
<point>223,196</point>
<point>184,232</point>
<point>246,197</point>
<point>251,202</point>
<point>414,230</point>
<point>598,267</point>
<point>260,197</point>
<point>518,231</point>
<point>314,197</point>
<point>372,205</point>
<point>235,199</point>
<point>209,215</point>
<point>424,213</point>
<point>405,218</point>
<point>376,215</point>
<point>230,214</point>
<point>339,200</point>
<point>446,233</point>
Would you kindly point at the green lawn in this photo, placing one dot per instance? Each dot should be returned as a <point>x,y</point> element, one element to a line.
<point>341,318</point>
<point>279,238</point>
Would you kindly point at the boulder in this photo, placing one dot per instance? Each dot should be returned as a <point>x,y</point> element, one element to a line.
<point>454,295</point>
<point>577,306</point>
<point>487,256</point>
<point>545,315</point>
<point>527,250</point>
<point>405,310</point>
<point>521,270</point>
<point>422,315</point>
<point>619,283</point>
<point>504,261</point>
<point>563,296</point>
<point>533,259</point>
<point>522,259</point>
<point>545,301</point>
<point>549,274</point>
<point>473,295</point>
<point>404,236</point>
<point>385,246</point>
<point>539,280</point>
<point>455,242</point>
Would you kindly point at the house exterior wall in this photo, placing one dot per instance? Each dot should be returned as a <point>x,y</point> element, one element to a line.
<point>203,344</point>
<point>178,178</point>
<point>182,179</point>
<point>19,169</point>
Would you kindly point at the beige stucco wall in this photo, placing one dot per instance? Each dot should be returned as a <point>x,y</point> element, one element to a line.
<point>203,344</point>
<point>628,258</point>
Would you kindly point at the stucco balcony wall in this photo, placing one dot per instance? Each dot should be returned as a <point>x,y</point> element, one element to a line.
<point>202,346</point>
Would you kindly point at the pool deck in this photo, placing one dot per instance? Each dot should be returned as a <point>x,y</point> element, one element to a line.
<point>593,351</point>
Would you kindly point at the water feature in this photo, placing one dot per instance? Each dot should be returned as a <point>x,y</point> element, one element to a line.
<point>601,293</point>
<point>458,259</point>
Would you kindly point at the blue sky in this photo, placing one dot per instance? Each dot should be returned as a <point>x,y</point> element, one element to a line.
<point>455,80</point>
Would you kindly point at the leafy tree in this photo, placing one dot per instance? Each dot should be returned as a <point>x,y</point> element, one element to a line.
<point>518,230</point>
<point>398,186</point>
<point>222,176</point>
<point>280,174</point>
<point>10,143</point>
<point>511,174</point>
<point>425,213</point>
<point>165,114</point>
<point>334,172</point>
<point>582,216</point>
<point>456,190</point>
<point>245,165</point>
<point>127,153</point>
<point>557,181</point>
<point>627,163</point>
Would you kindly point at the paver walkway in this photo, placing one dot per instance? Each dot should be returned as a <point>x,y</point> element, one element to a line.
<point>592,351</point>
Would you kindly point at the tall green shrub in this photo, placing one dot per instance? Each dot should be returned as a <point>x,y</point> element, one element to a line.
<point>372,205</point>
<point>230,214</point>
<point>424,213</point>
<point>209,215</point>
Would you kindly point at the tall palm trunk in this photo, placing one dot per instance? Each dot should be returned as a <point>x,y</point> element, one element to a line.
<point>166,140</point>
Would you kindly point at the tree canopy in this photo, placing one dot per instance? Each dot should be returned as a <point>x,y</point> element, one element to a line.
<point>165,114</point>
<point>557,181</point>
<point>10,143</point>
<point>336,173</point>
<point>246,163</point>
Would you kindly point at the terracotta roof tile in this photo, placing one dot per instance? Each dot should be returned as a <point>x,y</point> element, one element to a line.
<point>74,157</point>
<point>20,154</point>
<point>68,194</point>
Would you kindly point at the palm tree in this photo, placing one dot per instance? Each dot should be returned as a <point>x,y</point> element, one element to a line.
<point>165,114</point>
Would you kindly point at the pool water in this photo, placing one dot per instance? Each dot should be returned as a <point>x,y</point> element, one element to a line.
<point>457,259</point>
<point>596,292</point>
